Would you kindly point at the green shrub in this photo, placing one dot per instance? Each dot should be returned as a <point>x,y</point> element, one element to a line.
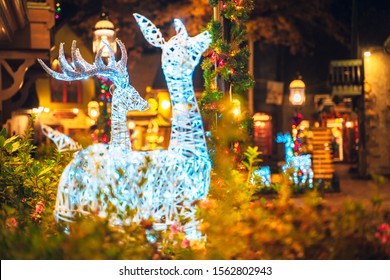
<point>235,223</point>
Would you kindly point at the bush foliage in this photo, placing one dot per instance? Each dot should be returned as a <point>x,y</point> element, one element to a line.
<point>235,223</point>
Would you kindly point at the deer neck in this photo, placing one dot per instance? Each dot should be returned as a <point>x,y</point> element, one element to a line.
<point>187,134</point>
<point>120,136</point>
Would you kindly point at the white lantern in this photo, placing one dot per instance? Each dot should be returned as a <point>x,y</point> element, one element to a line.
<point>297,92</point>
<point>93,110</point>
<point>104,31</point>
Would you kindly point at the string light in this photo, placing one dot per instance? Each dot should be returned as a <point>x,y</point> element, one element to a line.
<point>57,10</point>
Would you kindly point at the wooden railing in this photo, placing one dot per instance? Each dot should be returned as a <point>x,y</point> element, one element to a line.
<point>346,77</point>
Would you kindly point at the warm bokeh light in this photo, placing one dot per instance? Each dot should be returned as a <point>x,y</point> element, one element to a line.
<point>131,125</point>
<point>93,113</point>
<point>165,104</point>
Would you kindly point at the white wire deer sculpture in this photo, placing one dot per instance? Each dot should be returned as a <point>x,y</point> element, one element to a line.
<point>300,164</point>
<point>63,142</point>
<point>180,55</point>
<point>162,184</point>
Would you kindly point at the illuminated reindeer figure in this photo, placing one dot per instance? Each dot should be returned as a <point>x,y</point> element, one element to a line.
<point>180,55</point>
<point>301,164</point>
<point>63,142</point>
<point>83,175</point>
<point>161,184</point>
<point>125,97</point>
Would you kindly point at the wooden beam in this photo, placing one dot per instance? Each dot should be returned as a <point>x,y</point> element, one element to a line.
<point>17,76</point>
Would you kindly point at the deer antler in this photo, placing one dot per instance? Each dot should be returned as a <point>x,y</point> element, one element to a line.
<point>80,69</point>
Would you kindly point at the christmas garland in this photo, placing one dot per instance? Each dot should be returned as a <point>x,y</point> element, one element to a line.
<point>226,77</point>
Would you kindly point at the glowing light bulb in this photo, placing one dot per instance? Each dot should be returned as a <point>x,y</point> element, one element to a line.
<point>94,113</point>
<point>131,125</point>
<point>165,104</point>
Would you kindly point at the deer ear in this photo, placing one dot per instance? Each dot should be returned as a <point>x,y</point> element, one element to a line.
<point>151,33</point>
<point>204,39</point>
<point>180,28</point>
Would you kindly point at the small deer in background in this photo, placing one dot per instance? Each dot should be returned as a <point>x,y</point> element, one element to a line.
<point>301,164</point>
<point>63,142</point>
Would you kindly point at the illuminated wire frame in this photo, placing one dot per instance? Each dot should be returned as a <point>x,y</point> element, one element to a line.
<point>301,164</point>
<point>180,55</point>
<point>125,97</point>
<point>131,185</point>
<point>63,142</point>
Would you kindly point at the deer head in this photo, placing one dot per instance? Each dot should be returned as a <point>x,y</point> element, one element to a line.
<point>181,53</point>
<point>114,70</point>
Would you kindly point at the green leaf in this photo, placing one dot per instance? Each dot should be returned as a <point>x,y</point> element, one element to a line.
<point>10,140</point>
<point>15,146</point>
<point>44,171</point>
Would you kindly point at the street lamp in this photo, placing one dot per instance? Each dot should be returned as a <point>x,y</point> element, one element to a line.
<point>104,31</point>
<point>297,92</point>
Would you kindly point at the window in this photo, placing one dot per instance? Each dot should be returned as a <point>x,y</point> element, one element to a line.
<point>63,91</point>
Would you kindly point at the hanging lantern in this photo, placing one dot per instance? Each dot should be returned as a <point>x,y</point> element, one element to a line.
<point>297,92</point>
<point>104,31</point>
<point>93,110</point>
